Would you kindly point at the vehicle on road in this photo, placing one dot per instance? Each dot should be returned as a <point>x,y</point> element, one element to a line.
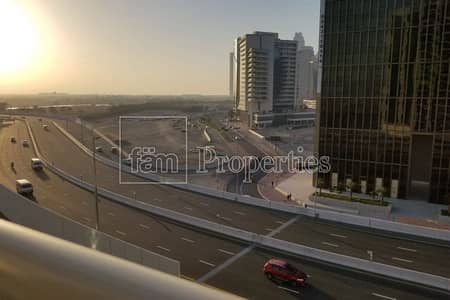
<point>40,119</point>
<point>277,269</point>
<point>36,164</point>
<point>98,149</point>
<point>13,139</point>
<point>24,187</point>
<point>25,143</point>
<point>114,150</point>
<point>45,127</point>
<point>126,161</point>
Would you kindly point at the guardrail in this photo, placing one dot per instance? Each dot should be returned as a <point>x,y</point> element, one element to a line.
<point>372,223</point>
<point>269,242</point>
<point>40,267</point>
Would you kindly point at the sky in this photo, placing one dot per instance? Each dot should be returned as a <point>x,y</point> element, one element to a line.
<point>158,47</point>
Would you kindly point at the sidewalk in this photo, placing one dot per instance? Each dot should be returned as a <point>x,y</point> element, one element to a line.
<point>300,187</point>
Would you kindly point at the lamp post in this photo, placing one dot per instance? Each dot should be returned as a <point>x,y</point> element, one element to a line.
<point>97,222</point>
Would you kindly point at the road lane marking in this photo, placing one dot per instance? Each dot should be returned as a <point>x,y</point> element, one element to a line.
<point>269,229</point>
<point>279,222</point>
<point>162,248</point>
<point>283,226</point>
<point>121,232</point>
<point>144,226</point>
<point>240,213</point>
<point>156,199</point>
<point>187,240</point>
<point>225,264</point>
<point>338,235</point>
<point>289,290</point>
<point>86,219</point>
<point>204,204</point>
<point>330,244</point>
<point>207,263</point>
<point>111,214</point>
<point>383,296</point>
<point>188,208</point>
<point>226,252</point>
<point>402,259</point>
<point>406,249</point>
<point>223,218</point>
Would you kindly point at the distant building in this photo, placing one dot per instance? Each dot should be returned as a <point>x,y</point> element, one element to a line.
<point>306,72</point>
<point>384,110</point>
<point>264,77</point>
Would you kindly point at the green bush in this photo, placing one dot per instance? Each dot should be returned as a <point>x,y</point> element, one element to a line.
<point>445,212</point>
<point>354,199</point>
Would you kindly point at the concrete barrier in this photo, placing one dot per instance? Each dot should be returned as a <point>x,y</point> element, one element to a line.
<point>372,223</point>
<point>22,211</point>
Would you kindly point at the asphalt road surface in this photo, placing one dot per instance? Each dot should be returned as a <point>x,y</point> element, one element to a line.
<point>199,253</point>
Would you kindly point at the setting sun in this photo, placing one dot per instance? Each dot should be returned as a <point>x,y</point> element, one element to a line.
<point>18,38</point>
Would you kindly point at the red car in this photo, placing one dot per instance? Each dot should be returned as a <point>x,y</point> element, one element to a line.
<point>283,271</point>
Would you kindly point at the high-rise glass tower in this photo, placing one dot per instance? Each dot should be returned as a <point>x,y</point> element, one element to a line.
<point>384,112</point>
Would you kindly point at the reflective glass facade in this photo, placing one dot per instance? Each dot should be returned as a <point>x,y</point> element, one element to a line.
<point>384,110</point>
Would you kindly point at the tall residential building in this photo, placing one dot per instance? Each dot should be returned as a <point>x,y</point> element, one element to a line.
<point>384,111</point>
<point>264,83</point>
<point>306,72</point>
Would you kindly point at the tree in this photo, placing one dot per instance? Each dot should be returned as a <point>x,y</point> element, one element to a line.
<point>320,184</point>
<point>380,192</point>
<point>350,185</point>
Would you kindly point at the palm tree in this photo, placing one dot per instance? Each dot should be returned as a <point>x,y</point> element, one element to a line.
<point>350,185</point>
<point>380,191</point>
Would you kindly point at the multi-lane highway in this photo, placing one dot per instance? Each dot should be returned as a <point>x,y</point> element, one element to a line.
<point>199,253</point>
<point>343,239</point>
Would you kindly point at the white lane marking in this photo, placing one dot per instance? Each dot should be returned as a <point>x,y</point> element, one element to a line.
<point>383,296</point>
<point>207,263</point>
<point>62,207</point>
<point>338,235</point>
<point>269,229</point>
<point>402,259</point>
<point>406,249</point>
<point>188,208</point>
<point>156,199</point>
<point>289,290</point>
<point>240,213</point>
<point>330,244</point>
<point>223,218</point>
<point>279,222</point>
<point>144,226</point>
<point>204,204</point>
<point>111,214</point>
<point>226,252</point>
<point>187,240</point>
<point>162,248</point>
<point>121,232</point>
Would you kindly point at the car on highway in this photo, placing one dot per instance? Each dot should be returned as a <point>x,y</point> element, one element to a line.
<point>277,269</point>
<point>98,149</point>
<point>45,127</point>
<point>24,187</point>
<point>13,139</point>
<point>25,143</point>
<point>36,164</point>
<point>114,150</point>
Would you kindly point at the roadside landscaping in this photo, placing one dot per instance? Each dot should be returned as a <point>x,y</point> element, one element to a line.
<point>352,199</point>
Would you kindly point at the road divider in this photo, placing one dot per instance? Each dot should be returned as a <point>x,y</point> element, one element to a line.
<point>261,240</point>
<point>372,223</point>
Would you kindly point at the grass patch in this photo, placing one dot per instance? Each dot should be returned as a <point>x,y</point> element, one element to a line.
<point>445,212</point>
<point>353,199</point>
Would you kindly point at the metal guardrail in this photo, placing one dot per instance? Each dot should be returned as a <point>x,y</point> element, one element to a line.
<point>40,267</point>
<point>373,223</point>
<point>269,242</point>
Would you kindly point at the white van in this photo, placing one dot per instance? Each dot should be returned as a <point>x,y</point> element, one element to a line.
<point>36,164</point>
<point>24,187</point>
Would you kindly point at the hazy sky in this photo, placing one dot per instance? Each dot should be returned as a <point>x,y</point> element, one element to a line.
<point>146,46</point>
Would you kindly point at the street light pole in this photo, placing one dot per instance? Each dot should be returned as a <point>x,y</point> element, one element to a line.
<point>97,223</point>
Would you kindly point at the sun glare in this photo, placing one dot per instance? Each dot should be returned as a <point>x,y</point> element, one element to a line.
<point>18,38</point>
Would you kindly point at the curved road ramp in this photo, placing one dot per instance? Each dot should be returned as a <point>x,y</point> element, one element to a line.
<point>38,266</point>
